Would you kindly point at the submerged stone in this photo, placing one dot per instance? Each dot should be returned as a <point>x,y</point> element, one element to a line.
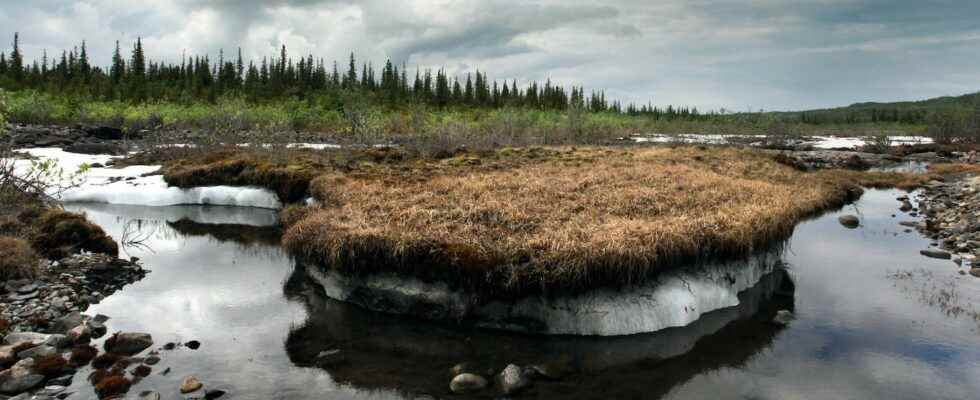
<point>934,253</point>
<point>467,383</point>
<point>512,379</point>
<point>849,221</point>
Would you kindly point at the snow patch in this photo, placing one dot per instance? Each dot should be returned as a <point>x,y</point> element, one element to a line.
<point>135,185</point>
<point>819,142</point>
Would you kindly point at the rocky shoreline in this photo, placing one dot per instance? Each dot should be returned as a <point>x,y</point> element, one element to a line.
<point>950,213</point>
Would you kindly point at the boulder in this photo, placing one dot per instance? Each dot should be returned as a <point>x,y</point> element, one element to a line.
<point>128,343</point>
<point>80,334</point>
<point>38,352</point>
<point>975,272</point>
<point>148,395</point>
<point>95,148</point>
<point>512,379</point>
<point>104,133</point>
<point>21,337</point>
<point>849,221</point>
<point>467,383</point>
<point>66,323</point>
<point>20,377</point>
<point>7,355</point>
<point>97,328</point>
<point>935,253</point>
<point>190,384</point>
<point>58,341</point>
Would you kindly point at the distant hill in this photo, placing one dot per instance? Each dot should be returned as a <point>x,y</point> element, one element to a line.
<point>902,112</point>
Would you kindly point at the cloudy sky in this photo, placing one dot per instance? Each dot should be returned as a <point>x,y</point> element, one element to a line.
<point>736,54</point>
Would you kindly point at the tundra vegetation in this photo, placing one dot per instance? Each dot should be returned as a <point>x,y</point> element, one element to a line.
<point>482,188</point>
<point>515,221</point>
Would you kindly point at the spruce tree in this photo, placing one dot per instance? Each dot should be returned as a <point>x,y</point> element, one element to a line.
<point>16,60</point>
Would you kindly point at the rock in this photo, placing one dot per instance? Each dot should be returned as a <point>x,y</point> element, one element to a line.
<point>975,272</point>
<point>19,377</point>
<point>21,337</point>
<point>193,345</point>
<point>512,379</point>
<point>148,395</point>
<point>329,357</point>
<point>214,394</point>
<point>101,318</point>
<point>58,341</point>
<point>128,343</point>
<point>190,384</point>
<point>94,148</point>
<point>783,317</point>
<point>906,206</point>
<point>51,390</point>
<point>28,288</point>
<point>461,368</point>
<point>934,253</point>
<point>550,370</point>
<point>38,352</point>
<point>467,383</point>
<point>97,329</point>
<point>170,346</point>
<point>62,380</point>
<point>105,133</point>
<point>64,324</point>
<point>80,334</point>
<point>151,360</point>
<point>849,221</point>
<point>7,355</point>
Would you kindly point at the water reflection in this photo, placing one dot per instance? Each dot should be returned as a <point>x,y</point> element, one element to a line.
<point>219,277</point>
<point>415,357</point>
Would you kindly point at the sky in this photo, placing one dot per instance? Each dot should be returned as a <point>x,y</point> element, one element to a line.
<point>736,55</point>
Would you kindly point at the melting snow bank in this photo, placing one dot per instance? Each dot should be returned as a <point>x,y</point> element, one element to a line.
<point>818,142</point>
<point>677,298</point>
<point>134,185</point>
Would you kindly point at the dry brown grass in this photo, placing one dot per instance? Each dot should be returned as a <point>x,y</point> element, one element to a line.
<point>17,259</point>
<point>58,233</point>
<point>572,220</point>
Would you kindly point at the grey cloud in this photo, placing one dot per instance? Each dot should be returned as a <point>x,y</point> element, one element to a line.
<point>707,53</point>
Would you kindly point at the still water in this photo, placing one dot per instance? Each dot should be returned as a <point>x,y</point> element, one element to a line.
<point>874,321</point>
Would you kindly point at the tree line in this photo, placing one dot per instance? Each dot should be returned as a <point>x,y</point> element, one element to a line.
<point>133,77</point>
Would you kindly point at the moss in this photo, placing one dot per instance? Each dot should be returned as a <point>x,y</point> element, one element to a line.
<point>142,371</point>
<point>106,360</point>
<point>17,259</point>
<point>82,354</point>
<point>60,233</point>
<point>51,366</point>
<point>112,385</point>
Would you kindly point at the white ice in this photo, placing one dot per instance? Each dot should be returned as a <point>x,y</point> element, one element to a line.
<point>133,186</point>
<point>819,142</point>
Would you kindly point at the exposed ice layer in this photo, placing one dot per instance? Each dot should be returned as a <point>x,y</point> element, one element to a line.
<point>819,142</point>
<point>134,186</point>
<point>677,298</point>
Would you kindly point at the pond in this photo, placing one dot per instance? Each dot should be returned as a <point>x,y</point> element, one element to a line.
<point>874,320</point>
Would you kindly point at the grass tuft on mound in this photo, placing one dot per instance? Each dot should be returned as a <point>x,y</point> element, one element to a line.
<point>58,233</point>
<point>569,221</point>
<point>17,259</point>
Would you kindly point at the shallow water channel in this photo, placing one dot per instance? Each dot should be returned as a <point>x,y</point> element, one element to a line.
<point>875,320</point>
